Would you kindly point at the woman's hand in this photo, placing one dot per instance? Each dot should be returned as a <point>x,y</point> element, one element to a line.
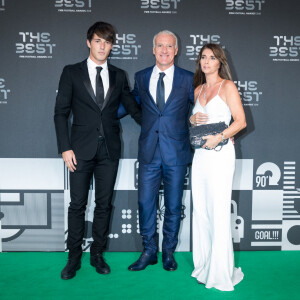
<point>212,141</point>
<point>199,118</point>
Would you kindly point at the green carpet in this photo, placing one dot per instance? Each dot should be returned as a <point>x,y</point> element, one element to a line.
<point>36,275</point>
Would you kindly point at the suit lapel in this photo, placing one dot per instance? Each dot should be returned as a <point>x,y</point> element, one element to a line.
<point>112,84</point>
<point>147,77</point>
<point>177,79</point>
<point>87,82</point>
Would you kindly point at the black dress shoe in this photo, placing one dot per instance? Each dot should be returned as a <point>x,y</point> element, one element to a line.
<point>70,269</point>
<point>144,260</point>
<point>169,262</point>
<point>98,262</point>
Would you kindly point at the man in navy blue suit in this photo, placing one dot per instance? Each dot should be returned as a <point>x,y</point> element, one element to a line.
<point>165,93</point>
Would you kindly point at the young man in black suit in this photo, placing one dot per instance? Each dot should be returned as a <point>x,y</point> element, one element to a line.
<point>92,90</point>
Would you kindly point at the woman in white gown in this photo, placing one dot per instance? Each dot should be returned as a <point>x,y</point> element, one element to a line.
<point>216,99</point>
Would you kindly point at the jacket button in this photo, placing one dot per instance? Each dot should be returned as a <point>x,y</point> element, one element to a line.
<point>98,129</point>
<point>156,131</point>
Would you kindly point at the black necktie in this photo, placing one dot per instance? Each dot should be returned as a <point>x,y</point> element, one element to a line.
<point>160,92</point>
<point>99,88</point>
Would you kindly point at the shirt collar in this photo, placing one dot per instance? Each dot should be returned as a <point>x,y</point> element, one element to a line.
<point>91,64</point>
<point>169,72</point>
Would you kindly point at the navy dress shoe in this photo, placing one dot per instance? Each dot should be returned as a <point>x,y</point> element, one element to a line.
<point>98,262</point>
<point>169,262</point>
<point>144,260</point>
<point>70,269</point>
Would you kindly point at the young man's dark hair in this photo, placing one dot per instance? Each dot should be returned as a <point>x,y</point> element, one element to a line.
<point>103,30</point>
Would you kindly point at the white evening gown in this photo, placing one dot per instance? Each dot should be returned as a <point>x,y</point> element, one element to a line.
<point>212,175</point>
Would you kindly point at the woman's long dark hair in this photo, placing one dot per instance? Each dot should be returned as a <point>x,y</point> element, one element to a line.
<point>224,71</point>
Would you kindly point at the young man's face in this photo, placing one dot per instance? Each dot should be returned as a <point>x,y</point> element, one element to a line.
<point>99,49</point>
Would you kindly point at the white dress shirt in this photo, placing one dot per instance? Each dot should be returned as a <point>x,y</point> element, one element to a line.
<point>93,72</point>
<point>168,81</point>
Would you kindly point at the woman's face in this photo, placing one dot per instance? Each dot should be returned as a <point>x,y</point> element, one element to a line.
<point>208,62</point>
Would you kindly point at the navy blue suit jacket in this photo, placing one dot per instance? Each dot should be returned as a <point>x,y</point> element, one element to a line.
<point>169,128</point>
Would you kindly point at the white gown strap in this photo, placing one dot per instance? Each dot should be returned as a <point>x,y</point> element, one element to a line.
<point>200,92</point>
<point>220,86</point>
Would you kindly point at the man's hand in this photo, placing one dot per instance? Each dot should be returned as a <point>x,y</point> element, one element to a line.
<point>70,160</point>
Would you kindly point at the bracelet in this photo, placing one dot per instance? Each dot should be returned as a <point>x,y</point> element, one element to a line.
<point>223,137</point>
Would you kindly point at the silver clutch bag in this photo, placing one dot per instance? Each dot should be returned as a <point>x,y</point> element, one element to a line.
<point>198,132</point>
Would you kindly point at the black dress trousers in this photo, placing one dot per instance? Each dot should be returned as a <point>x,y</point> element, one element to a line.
<point>105,172</point>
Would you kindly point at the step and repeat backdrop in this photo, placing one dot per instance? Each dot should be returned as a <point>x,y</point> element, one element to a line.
<point>261,39</point>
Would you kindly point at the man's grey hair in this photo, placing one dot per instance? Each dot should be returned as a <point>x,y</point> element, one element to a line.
<point>166,32</point>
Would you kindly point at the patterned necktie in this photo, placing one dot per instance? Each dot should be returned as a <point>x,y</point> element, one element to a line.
<point>99,88</point>
<point>160,92</point>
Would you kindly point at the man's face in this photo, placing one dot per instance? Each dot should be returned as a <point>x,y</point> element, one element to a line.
<point>165,51</point>
<point>99,49</point>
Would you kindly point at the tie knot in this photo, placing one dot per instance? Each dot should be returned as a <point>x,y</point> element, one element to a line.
<point>99,69</point>
<point>162,75</point>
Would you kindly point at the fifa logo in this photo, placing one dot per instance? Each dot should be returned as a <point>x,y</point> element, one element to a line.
<point>285,46</point>
<point>73,3</point>
<point>3,91</point>
<point>198,41</point>
<point>159,4</point>
<point>35,43</point>
<point>126,45</point>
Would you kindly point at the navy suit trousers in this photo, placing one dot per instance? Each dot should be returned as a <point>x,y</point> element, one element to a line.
<point>149,181</point>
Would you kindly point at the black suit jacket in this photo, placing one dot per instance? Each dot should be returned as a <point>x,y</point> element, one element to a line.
<point>76,95</point>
